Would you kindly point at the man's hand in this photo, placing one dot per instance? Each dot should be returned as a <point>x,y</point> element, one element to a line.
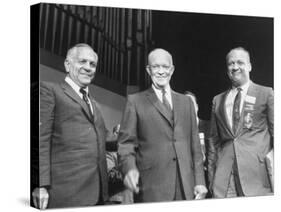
<point>131,180</point>
<point>200,191</point>
<point>40,198</point>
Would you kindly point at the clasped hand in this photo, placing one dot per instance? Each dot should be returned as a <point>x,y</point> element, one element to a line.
<point>200,191</point>
<point>131,180</point>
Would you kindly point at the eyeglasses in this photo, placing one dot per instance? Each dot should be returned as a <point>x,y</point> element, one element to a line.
<point>158,67</point>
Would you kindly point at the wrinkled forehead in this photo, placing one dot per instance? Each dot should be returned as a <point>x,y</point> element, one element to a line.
<point>238,54</point>
<point>160,57</point>
<point>86,53</point>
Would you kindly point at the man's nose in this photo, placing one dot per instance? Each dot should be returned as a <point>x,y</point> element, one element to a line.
<point>87,66</point>
<point>161,70</point>
<point>235,66</point>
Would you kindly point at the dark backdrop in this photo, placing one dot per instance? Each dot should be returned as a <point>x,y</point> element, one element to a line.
<point>199,43</point>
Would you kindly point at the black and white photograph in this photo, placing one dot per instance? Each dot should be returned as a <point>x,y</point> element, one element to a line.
<point>145,103</point>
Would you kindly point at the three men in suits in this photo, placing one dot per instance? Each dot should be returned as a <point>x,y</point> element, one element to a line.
<point>158,144</point>
<point>73,169</point>
<point>241,133</point>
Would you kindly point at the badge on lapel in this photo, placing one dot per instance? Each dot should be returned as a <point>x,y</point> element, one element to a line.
<point>248,111</point>
<point>248,120</point>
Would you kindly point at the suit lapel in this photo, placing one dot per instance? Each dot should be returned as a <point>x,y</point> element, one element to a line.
<point>158,105</point>
<point>94,106</point>
<point>177,106</point>
<point>223,113</point>
<point>252,91</point>
<point>74,96</point>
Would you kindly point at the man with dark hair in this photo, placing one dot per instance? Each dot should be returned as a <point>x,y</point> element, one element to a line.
<point>158,143</point>
<point>241,133</point>
<point>72,159</point>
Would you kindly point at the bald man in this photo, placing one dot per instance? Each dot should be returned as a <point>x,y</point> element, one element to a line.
<point>158,144</point>
<point>241,133</point>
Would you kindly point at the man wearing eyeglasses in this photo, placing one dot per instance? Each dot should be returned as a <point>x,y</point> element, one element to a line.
<point>158,144</point>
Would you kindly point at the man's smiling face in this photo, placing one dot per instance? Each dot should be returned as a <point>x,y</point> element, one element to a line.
<point>81,66</point>
<point>238,67</point>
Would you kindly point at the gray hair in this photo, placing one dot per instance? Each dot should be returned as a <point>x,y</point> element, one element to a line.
<point>73,50</point>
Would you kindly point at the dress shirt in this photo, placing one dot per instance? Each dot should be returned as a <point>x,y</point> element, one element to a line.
<point>230,100</point>
<point>159,94</point>
<point>76,88</point>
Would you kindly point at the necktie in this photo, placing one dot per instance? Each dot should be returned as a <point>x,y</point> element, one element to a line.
<point>165,101</point>
<point>86,100</point>
<point>236,110</point>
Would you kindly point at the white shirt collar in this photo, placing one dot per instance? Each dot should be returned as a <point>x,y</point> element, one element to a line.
<point>231,97</point>
<point>75,87</point>
<point>243,87</point>
<point>157,90</point>
<point>168,94</point>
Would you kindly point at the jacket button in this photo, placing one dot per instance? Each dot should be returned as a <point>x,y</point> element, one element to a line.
<point>174,159</point>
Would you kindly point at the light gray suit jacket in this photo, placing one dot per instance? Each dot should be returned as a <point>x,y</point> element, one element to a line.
<point>248,146</point>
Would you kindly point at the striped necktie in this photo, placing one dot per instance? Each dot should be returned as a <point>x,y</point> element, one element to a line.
<point>236,110</point>
<point>86,99</point>
<point>165,101</point>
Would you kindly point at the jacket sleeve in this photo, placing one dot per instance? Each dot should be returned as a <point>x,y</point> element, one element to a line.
<point>196,149</point>
<point>47,105</point>
<point>127,139</point>
<point>270,113</point>
<point>212,145</point>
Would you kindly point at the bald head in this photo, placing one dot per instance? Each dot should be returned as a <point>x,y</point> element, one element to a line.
<point>238,49</point>
<point>238,66</point>
<point>160,67</point>
<point>156,53</point>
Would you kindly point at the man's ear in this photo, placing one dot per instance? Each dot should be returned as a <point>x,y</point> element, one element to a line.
<point>66,65</point>
<point>172,70</point>
<point>250,67</point>
<point>148,70</point>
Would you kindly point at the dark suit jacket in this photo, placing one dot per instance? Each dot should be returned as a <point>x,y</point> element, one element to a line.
<point>72,148</point>
<point>249,145</point>
<point>150,142</point>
